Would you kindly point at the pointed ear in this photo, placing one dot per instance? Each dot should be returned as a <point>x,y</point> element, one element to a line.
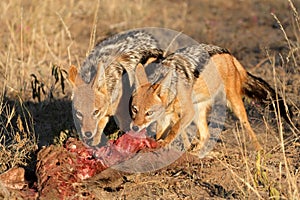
<point>164,89</point>
<point>99,79</point>
<point>73,73</point>
<point>165,84</point>
<point>140,76</point>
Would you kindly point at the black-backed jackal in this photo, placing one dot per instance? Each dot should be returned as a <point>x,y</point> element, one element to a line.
<point>197,74</point>
<point>104,81</point>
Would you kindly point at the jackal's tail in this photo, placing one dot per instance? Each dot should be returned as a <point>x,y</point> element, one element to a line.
<point>258,89</point>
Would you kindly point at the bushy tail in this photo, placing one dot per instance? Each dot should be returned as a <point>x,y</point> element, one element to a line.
<point>258,89</point>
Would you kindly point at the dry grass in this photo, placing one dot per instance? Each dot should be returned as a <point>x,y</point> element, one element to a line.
<point>275,169</point>
<point>17,141</point>
<point>38,36</point>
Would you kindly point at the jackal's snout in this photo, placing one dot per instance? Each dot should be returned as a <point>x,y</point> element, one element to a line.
<point>135,128</point>
<point>88,134</point>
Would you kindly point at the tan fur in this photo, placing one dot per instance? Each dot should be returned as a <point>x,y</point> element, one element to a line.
<point>155,99</point>
<point>233,76</point>
<point>92,103</point>
<point>91,106</point>
<point>193,102</point>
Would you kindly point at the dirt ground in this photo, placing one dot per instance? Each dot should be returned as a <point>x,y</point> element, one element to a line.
<point>233,170</point>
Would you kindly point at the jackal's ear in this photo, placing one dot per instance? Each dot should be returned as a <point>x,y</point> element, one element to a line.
<point>163,89</point>
<point>165,84</point>
<point>73,72</point>
<point>99,79</point>
<point>140,76</point>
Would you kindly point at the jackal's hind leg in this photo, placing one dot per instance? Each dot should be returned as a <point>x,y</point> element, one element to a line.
<point>239,110</point>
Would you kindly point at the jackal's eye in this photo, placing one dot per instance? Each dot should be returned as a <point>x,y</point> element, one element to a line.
<point>149,113</point>
<point>96,112</point>
<point>134,109</point>
<point>78,115</point>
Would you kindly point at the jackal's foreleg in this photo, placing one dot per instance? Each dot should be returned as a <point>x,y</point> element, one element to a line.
<point>101,125</point>
<point>201,110</point>
<point>181,121</point>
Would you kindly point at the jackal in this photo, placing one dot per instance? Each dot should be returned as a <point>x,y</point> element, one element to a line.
<point>197,74</point>
<point>104,82</point>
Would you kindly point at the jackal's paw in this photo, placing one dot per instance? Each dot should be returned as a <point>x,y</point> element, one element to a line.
<point>162,143</point>
<point>147,150</point>
<point>257,146</point>
<point>197,145</point>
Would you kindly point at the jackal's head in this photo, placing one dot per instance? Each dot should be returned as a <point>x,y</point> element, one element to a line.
<point>90,105</point>
<point>148,100</point>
